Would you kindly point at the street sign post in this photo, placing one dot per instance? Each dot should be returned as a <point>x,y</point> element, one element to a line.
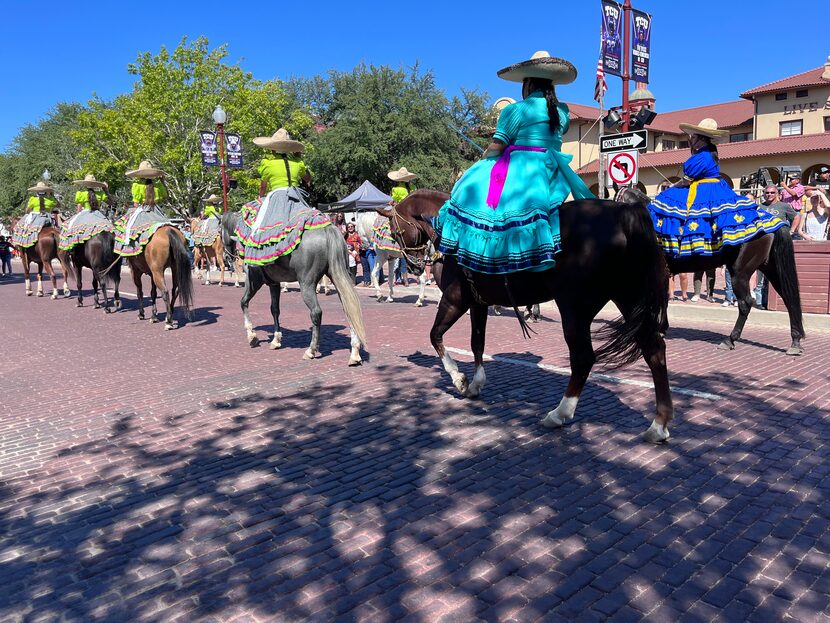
<point>622,168</point>
<point>626,141</point>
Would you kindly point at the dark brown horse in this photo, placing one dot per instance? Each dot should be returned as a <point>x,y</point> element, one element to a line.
<point>772,254</point>
<point>166,249</point>
<point>42,253</point>
<point>97,255</point>
<point>609,253</point>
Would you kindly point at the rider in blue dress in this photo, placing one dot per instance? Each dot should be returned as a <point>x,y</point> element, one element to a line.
<point>503,214</point>
<point>701,214</point>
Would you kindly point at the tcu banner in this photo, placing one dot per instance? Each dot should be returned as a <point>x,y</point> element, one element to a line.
<point>207,146</point>
<point>640,46</point>
<point>233,150</point>
<point>612,15</point>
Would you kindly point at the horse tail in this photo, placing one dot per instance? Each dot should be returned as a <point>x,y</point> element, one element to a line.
<point>342,278</point>
<point>181,263</point>
<point>647,316</point>
<point>110,259</point>
<point>782,274</point>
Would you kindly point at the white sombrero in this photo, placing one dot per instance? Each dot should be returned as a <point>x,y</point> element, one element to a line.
<point>707,127</point>
<point>40,187</point>
<point>280,142</point>
<point>541,65</point>
<point>213,200</point>
<point>502,103</point>
<point>401,175</point>
<point>89,181</point>
<point>145,170</point>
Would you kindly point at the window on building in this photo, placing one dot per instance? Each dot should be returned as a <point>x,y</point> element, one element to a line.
<point>780,96</point>
<point>683,145</point>
<point>790,128</point>
<point>801,93</point>
<point>740,137</point>
<point>669,145</point>
<point>827,124</point>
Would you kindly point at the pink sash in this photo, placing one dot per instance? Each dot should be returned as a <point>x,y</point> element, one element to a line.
<point>498,175</point>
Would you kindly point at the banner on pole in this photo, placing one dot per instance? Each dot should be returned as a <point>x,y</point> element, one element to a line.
<point>612,14</point>
<point>233,150</point>
<point>208,149</point>
<point>640,46</point>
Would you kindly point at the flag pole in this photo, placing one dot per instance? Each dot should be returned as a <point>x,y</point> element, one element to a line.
<point>601,133</point>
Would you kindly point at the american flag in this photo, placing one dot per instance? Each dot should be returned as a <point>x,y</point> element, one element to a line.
<point>601,87</point>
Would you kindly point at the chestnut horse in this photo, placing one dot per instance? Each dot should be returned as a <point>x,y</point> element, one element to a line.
<point>42,253</point>
<point>165,249</point>
<point>609,253</point>
<point>213,253</point>
<point>773,254</point>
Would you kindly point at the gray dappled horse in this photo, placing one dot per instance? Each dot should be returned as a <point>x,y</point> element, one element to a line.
<point>320,252</point>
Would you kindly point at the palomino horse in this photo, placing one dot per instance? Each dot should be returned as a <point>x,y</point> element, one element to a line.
<point>772,254</point>
<point>609,253</point>
<point>321,252</point>
<point>213,254</point>
<point>165,249</point>
<point>97,254</point>
<point>42,253</point>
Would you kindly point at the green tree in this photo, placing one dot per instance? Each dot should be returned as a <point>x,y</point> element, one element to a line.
<point>46,144</point>
<point>172,99</point>
<point>374,119</point>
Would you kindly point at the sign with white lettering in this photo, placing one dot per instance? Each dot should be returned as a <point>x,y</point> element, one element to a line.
<point>637,139</point>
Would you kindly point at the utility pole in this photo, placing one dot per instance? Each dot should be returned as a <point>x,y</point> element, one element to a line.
<point>626,63</point>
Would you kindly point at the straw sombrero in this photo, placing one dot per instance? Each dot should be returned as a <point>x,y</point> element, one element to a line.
<point>401,175</point>
<point>541,65</point>
<point>89,181</point>
<point>707,127</point>
<point>40,187</point>
<point>502,103</point>
<point>146,171</point>
<point>280,142</point>
<point>213,200</point>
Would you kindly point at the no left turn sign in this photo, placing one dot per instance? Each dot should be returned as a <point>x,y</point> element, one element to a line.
<point>622,168</point>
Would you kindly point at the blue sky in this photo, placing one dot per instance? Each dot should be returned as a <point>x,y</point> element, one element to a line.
<point>66,51</point>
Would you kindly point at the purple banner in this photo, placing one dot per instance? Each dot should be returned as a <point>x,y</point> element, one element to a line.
<point>612,16</point>
<point>640,46</point>
<point>233,150</point>
<point>208,149</point>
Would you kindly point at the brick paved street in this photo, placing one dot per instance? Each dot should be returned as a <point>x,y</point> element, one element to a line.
<point>183,476</point>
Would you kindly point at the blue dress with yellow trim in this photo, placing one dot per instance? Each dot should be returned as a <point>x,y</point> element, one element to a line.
<point>708,215</point>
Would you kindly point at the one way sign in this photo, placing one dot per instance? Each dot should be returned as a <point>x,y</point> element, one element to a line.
<point>624,142</point>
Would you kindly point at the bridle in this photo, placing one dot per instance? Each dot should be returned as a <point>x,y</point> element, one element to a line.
<point>421,249</point>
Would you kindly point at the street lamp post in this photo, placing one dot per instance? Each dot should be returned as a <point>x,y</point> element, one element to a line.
<point>46,175</point>
<point>219,117</point>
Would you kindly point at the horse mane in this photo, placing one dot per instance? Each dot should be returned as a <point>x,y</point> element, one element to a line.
<point>414,204</point>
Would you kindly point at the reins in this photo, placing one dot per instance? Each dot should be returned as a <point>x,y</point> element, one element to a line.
<point>418,263</point>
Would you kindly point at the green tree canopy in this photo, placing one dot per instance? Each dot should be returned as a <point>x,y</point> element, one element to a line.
<point>375,119</point>
<point>172,99</point>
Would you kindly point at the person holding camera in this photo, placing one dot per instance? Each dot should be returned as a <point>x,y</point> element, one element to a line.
<point>792,193</point>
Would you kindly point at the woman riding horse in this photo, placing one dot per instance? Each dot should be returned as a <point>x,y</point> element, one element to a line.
<point>40,204</point>
<point>502,216</point>
<point>88,240</point>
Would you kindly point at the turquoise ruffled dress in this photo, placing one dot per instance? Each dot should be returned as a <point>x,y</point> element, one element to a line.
<point>522,231</point>
<point>708,215</point>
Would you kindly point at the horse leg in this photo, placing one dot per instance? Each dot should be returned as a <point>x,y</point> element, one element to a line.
<point>478,322</point>
<point>740,285</point>
<point>40,279</point>
<point>26,276</point>
<point>220,260</point>
<point>66,269</point>
<point>276,342</point>
<point>79,283</point>
<point>376,278</point>
<point>576,325</point>
<point>138,291</point>
<point>95,282</point>
<point>422,284</point>
<point>116,295</point>
<point>253,282</point>
<point>391,266</point>
<point>52,278</point>
<point>451,307</point>
<point>167,296</point>
<point>207,267</point>
<point>103,283</point>
<point>153,296</point>
<point>309,293</point>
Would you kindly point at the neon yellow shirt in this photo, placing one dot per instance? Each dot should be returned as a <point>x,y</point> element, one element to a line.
<point>399,193</point>
<point>82,198</point>
<point>212,210</point>
<point>272,170</point>
<point>140,194</point>
<point>34,203</point>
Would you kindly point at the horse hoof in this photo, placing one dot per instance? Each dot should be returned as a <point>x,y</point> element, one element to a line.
<point>795,351</point>
<point>726,345</point>
<point>97,306</point>
<point>107,310</point>
<point>154,320</point>
<point>79,304</point>
<point>419,303</point>
<point>460,382</point>
<point>40,294</point>
<point>283,290</point>
<point>274,345</point>
<point>117,305</point>
<point>28,293</point>
<point>657,433</point>
<point>472,392</point>
<point>54,296</point>
<point>309,354</point>
<point>355,362</point>
<point>253,340</point>
<point>168,327</point>
<point>389,299</point>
